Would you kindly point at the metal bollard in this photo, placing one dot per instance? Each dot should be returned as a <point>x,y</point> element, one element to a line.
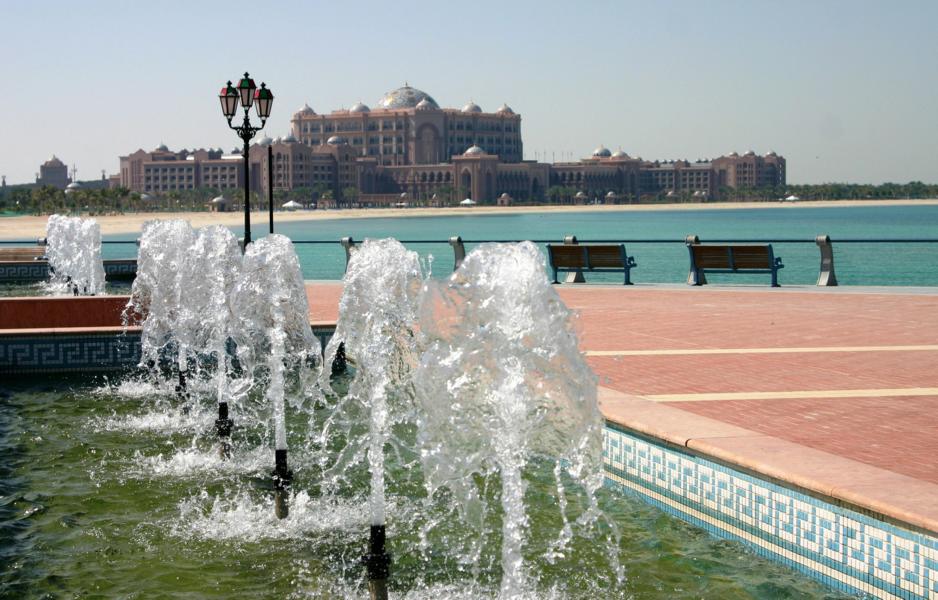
<point>694,276</point>
<point>575,276</point>
<point>349,244</point>
<point>459,250</point>
<point>826,276</point>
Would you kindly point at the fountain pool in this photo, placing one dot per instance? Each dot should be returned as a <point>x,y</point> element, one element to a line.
<point>107,489</point>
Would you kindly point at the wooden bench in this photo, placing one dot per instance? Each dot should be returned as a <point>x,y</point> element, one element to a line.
<point>574,258</point>
<point>731,258</point>
<point>21,253</point>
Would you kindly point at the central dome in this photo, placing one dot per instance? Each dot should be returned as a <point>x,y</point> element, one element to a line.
<point>405,97</point>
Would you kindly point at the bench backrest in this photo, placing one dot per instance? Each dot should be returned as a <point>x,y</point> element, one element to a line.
<point>734,256</point>
<point>594,256</point>
<point>19,253</point>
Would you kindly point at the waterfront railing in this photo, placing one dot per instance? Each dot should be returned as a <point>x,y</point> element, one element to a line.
<point>825,244</point>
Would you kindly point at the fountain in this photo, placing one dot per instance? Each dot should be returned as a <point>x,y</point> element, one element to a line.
<point>73,248</point>
<point>469,431</point>
<point>483,369</point>
<point>377,313</point>
<point>271,319</point>
<point>167,271</point>
<point>220,256</point>
<point>500,383</point>
<point>200,296</point>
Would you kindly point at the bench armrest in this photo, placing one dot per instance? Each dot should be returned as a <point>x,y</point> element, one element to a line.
<point>778,263</point>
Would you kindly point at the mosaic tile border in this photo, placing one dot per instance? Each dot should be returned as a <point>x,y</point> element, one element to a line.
<point>68,353</point>
<point>23,271</point>
<point>842,548</point>
<point>83,351</point>
<point>31,271</point>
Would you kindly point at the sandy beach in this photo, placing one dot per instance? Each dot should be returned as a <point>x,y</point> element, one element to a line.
<point>31,227</point>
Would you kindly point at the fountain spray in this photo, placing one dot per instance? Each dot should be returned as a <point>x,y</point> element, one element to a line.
<point>221,265</point>
<point>377,312</point>
<point>271,318</point>
<point>73,248</point>
<point>501,382</point>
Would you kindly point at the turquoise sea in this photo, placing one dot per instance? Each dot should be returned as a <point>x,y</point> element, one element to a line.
<point>662,262</point>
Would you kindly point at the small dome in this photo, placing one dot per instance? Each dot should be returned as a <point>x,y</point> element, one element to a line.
<point>219,200</point>
<point>473,151</point>
<point>472,107</point>
<point>580,195</point>
<point>405,97</point>
<point>610,194</point>
<point>771,154</point>
<point>336,140</point>
<point>504,109</point>
<point>359,108</point>
<point>750,153</point>
<point>288,139</point>
<point>265,141</point>
<point>161,148</point>
<point>73,186</point>
<point>53,162</point>
<point>306,110</point>
<point>602,152</point>
<point>236,151</point>
<point>619,154</point>
<point>425,105</point>
<point>732,155</point>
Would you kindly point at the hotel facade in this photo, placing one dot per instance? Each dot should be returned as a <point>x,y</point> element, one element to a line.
<point>406,148</point>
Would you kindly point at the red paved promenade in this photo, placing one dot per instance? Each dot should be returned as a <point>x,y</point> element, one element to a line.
<point>834,390</point>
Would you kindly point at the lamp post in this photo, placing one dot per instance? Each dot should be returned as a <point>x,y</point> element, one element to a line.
<point>247,94</point>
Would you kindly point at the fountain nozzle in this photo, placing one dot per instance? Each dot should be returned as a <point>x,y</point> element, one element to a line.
<point>182,387</point>
<point>223,427</point>
<point>223,424</point>
<point>377,563</point>
<point>339,363</point>
<point>283,477</point>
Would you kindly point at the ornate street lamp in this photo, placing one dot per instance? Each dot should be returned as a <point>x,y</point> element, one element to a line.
<point>246,93</point>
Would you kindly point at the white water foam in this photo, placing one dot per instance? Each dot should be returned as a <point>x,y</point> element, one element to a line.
<point>246,519</point>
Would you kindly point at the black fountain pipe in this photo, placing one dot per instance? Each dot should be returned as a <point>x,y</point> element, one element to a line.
<point>377,564</point>
<point>283,477</point>
<point>182,389</point>
<point>223,427</point>
<point>340,362</point>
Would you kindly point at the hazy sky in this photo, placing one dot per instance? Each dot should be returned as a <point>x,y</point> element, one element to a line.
<point>847,91</point>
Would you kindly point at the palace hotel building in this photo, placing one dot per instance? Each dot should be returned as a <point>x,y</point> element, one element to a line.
<point>408,148</point>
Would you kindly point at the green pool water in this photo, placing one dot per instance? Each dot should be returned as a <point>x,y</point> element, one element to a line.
<point>108,490</point>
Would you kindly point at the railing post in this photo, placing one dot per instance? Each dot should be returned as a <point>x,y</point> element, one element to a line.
<point>826,276</point>
<point>575,276</point>
<point>694,275</point>
<point>459,250</point>
<point>349,244</point>
<point>42,241</point>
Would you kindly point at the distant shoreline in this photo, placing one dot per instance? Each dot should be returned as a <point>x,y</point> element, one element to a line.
<point>30,227</point>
